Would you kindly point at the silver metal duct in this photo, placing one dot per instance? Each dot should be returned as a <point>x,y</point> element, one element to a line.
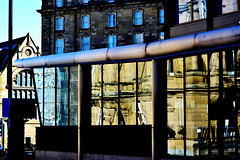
<point>138,51</point>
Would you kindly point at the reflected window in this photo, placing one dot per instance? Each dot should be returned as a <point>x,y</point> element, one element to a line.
<point>110,1</point>
<point>229,6</point>
<point>59,24</point>
<point>114,89</point>
<point>112,41</point>
<point>73,98</point>
<point>190,10</point>
<point>111,20</point>
<point>59,46</point>
<point>62,96</point>
<point>138,17</point>
<point>85,43</point>
<point>138,38</point>
<point>85,21</point>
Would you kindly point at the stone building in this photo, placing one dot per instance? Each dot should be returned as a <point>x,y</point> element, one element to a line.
<point>128,79</point>
<point>22,84</point>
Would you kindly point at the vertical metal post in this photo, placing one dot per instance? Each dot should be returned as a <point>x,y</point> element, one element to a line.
<point>9,67</point>
<point>159,109</point>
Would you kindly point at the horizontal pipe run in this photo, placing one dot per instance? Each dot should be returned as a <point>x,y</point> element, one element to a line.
<point>208,39</point>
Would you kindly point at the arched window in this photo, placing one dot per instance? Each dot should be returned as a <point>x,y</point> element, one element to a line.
<point>85,21</point>
<point>138,17</point>
<point>111,20</point>
<point>59,24</point>
<point>112,41</point>
<point>85,43</point>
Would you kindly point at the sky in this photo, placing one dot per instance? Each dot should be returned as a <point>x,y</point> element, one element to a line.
<point>25,19</point>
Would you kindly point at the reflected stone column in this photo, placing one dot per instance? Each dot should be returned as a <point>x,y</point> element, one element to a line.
<point>159,110</point>
<point>84,105</point>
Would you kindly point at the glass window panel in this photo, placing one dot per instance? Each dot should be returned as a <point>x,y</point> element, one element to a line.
<point>199,9</point>
<point>138,38</point>
<point>128,93</point>
<point>214,70</point>
<point>110,94</point>
<point>144,93</point>
<point>184,10</point>
<point>110,111</point>
<point>28,80</point>
<point>96,76</point>
<point>28,94</point>
<point>196,72</point>
<point>85,43</point>
<point>59,46</point>
<point>111,20</point>
<point>19,79</point>
<point>84,1</point>
<point>49,97</point>
<point>138,18</point>
<point>85,22</point>
<point>96,113</point>
<point>59,3</point>
<point>161,16</point>
<point>62,96</point>
<point>161,36</point>
<point>73,91</point>
<point>175,114</point>
<point>112,41</point>
<point>228,62</point>
<point>59,24</point>
<point>24,78</point>
<point>229,6</point>
<point>196,123</point>
<point>175,74</point>
<point>38,75</point>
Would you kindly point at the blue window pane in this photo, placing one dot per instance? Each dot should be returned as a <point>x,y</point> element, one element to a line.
<point>111,20</point>
<point>59,3</point>
<point>85,43</point>
<point>138,38</point>
<point>112,41</point>
<point>85,22</point>
<point>59,24</point>
<point>138,19</point>
<point>84,1</point>
<point>161,16</point>
<point>59,46</point>
<point>161,36</point>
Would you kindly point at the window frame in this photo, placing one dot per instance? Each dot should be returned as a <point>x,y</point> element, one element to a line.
<point>136,19</point>
<point>191,13</point>
<point>135,38</point>
<point>59,3</point>
<point>161,17</point>
<point>114,44</point>
<point>58,47</point>
<point>83,45</point>
<point>83,21</point>
<point>59,27</point>
<point>110,20</point>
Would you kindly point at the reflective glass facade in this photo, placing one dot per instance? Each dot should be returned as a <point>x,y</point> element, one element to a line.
<point>119,97</point>
<point>202,99</point>
<point>57,93</point>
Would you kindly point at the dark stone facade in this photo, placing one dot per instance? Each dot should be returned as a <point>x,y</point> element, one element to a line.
<point>98,31</point>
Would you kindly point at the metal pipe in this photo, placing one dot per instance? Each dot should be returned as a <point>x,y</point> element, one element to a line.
<point>215,38</point>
